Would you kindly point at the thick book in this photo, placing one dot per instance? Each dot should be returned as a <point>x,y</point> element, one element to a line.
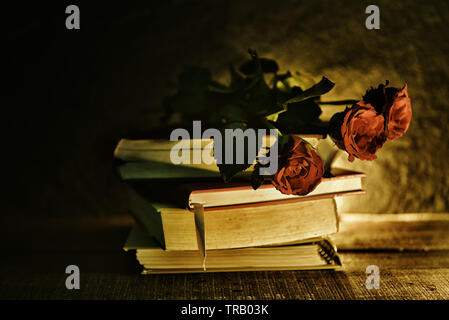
<point>246,225</point>
<point>150,159</point>
<point>216,193</point>
<point>317,253</point>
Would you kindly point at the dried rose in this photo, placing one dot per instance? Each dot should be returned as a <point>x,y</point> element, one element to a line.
<point>398,114</point>
<point>301,170</point>
<point>359,130</point>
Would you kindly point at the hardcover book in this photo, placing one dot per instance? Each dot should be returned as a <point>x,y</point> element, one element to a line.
<point>175,228</point>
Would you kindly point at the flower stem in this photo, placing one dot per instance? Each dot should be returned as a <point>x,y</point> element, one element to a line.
<point>338,103</point>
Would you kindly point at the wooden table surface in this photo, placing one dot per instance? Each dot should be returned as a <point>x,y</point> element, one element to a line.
<point>411,251</point>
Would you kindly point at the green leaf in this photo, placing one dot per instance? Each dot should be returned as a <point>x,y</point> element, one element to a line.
<point>237,81</point>
<point>229,113</point>
<point>322,87</point>
<point>256,65</point>
<point>300,80</point>
<point>219,88</point>
<point>299,113</point>
<point>256,178</point>
<point>347,102</point>
<point>194,79</point>
<point>308,143</point>
<point>228,171</point>
<point>275,111</point>
<point>187,103</point>
<point>192,96</point>
<point>283,140</point>
<point>267,66</point>
<point>258,98</point>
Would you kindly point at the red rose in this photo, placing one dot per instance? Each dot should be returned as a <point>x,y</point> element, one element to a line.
<point>398,114</point>
<point>384,113</point>
<point>362,131</point>
<point>301,170</point>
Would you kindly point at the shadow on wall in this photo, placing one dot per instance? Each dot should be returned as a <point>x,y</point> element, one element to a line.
<point>75,95</point>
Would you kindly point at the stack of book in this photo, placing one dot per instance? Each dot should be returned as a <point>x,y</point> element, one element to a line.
<point>188,220</point>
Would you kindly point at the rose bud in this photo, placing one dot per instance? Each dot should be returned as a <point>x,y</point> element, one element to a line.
<point>359,130</point>
<point>398,114</point>
<point>300,171</point>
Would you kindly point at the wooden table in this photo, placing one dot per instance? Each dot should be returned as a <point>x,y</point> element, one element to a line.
<point>411,251</point>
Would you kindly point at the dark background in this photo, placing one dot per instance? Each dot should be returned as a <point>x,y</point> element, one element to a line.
<point>70,95</point>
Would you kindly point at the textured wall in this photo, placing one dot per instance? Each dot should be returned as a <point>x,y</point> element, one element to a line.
<point>410,174</point>
<point>73,95</point>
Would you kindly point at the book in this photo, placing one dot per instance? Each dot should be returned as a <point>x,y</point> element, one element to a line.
<point>150,159</point>
<point>215,193</point>
<point>246,225</point>
<point>317,253</point>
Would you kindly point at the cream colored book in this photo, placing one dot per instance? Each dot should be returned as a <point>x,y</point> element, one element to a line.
<point>248,225</point>
<point>150,159</point>
<point>215,195</point>
<point>318,253</point>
